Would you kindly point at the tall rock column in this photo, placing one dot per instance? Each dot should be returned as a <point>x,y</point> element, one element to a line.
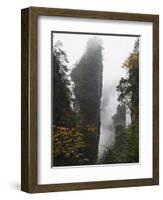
<point>87,78</point>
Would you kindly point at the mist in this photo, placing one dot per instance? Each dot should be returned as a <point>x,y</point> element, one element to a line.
<point>115,51</point>
<point>108,109</point>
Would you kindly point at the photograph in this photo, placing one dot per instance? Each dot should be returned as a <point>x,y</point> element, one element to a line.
<point>89,99</point>
<point>95,98</point>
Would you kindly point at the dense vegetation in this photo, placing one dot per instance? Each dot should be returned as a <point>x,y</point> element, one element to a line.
<point>61,94</point>
<point>76,121</point>
<point>76,101</point>
<point>126,146</point>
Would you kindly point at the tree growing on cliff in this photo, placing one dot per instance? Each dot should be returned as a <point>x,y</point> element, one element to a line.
<point>128,88</point>
<point>61,94</point>
<point>68,142</point>
<point>126,146</point>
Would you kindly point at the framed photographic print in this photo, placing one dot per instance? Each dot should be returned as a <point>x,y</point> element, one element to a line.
<point>90,99</point>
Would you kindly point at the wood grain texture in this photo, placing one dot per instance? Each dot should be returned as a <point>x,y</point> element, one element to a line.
<point>24,100</point>
<point>91,14</point>
<point>29,99</point>
<point>156,100</point>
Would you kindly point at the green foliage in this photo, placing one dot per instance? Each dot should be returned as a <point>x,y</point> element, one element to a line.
<point>76,129</point>
<point>128,88</point>
<point>125,149</point>
<point>126,146</point>
<point>90,136</point>
<point>68,142</point>
<point>61,94</point>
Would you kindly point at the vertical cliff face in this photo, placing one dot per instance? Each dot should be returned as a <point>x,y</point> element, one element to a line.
<point>87,78</point>
<point>119,123</point>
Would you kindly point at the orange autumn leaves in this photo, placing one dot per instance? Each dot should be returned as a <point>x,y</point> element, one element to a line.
<point>132,61</point>
<point>70,142</point>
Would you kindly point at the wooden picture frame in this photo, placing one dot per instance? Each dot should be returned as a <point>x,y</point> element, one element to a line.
<point>29,112</point>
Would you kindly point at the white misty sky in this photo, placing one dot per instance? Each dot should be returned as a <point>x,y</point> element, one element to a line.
<point>116,50</point>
